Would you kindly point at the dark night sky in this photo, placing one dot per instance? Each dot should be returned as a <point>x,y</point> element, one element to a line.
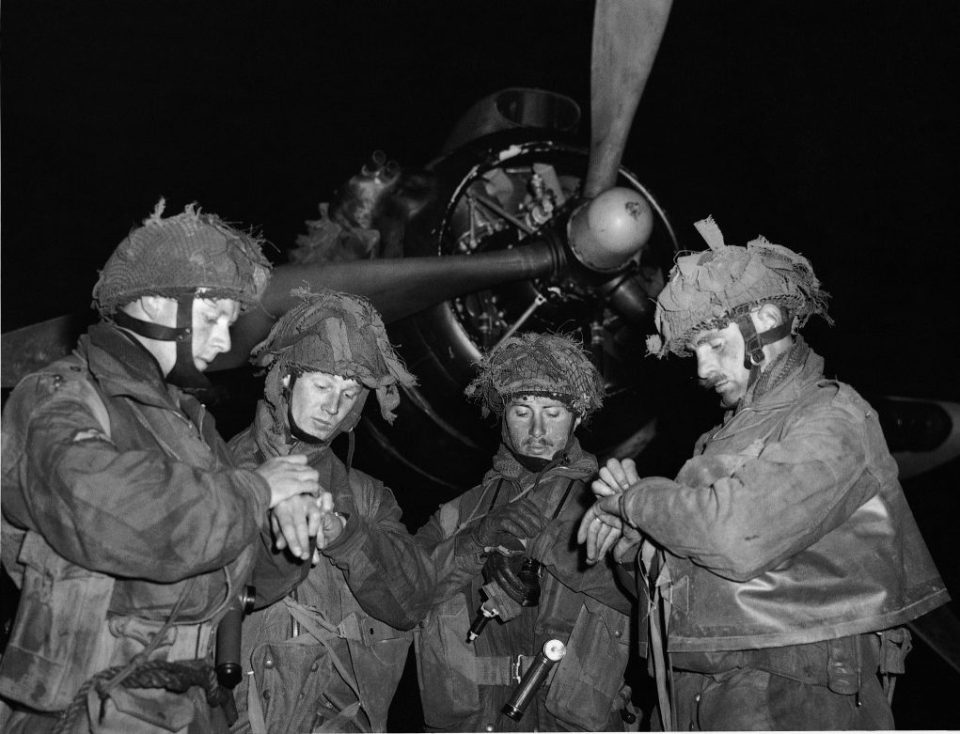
<point>828,126</point>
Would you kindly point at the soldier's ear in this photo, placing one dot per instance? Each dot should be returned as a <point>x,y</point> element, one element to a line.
<point>158,309</point>
<point>768,316</point>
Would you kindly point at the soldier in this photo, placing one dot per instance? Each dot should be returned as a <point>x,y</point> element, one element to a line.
<point>506,550</point>
<point>784,556</point>
<point>331,653</point>
<point>126,524</point>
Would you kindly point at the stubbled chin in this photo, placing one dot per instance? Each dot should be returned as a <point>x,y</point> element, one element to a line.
<point>729,398</point>
<point>537,451</point>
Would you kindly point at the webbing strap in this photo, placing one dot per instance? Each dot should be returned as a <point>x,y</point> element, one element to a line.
<point>653,564</point>
<point>505,670</point>
<point>323,632</point>
<point>258,723</point>
<point>495,671</point>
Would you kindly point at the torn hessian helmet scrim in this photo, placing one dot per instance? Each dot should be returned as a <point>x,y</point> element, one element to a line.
<point>175,256</point>
<point>709,289</point>
<point>551,365</point>
<point>337,333</point>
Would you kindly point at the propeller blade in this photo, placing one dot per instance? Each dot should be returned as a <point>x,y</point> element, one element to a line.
<point>626,36</point>
<point>397,287</point>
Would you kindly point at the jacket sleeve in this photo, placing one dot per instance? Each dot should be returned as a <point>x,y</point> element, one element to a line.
<point>275,572</point>
<point>137,513</point>
<point>457,557</point>
<point>739,515</point>
<point>391,575</point>
<point>557,549</point>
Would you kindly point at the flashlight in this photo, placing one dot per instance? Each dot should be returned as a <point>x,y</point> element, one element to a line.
<point>228,667</point>
<point>553,651</point>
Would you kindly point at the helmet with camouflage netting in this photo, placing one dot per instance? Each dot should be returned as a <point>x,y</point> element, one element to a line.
<point>337,333</point>
<point>179,255</point>
<point>710,289</point>
<point>551,365</point>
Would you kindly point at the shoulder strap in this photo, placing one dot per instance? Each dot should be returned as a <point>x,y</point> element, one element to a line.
<point>91,397</point>
<point>79,374</point>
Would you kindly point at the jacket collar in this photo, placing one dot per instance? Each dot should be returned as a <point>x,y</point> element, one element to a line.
<point>271,432</point>
<point>572,462</point>
<point>787,378</point>
<point>124,367</point>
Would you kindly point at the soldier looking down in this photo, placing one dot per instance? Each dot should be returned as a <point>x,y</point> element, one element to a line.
<point>507,549</point>
<point>126,524</point>
<point>783,559</point>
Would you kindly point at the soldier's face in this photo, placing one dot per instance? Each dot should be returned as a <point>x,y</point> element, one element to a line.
<point>720,363</point>
<point>320,401</point>
<point>539,426</point>
<point>212,319</point>
<point>211,322</point>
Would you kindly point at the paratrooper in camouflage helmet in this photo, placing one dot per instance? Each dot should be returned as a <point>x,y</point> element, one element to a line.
<point>787,533</point>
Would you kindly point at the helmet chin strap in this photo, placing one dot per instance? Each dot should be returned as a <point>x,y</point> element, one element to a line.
<point>753,342</point>
<point>184,373</point>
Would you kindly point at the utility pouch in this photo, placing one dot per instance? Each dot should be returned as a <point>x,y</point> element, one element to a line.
<point>447,665</point>
<point>139,711</point>
<point>588,679</point>
<point>843,665</point>
<point>895,645</point>
<point>60,636</point>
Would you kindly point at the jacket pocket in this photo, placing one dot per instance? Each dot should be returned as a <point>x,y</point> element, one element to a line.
<point>446,666</point>
<point>60,637</point>
<point>378,667</point>
<point>590,675</point>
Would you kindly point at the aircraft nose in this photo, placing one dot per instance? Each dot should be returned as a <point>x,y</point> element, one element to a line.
<point>608,231</point>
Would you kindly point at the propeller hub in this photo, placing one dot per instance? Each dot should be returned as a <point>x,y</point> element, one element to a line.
<point>608,231</point>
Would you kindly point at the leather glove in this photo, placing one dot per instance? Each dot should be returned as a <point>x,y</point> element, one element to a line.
<point>521,519</point>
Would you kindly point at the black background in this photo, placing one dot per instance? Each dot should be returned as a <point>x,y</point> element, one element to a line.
<point>827,126</point>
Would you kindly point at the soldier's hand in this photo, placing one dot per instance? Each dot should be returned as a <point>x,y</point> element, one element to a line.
<point>296,520</point>
<point>628,544</point>
<point>289,476</point>
<point>521,519</point>
<point>615,476</point>
<point>599,530</point>
<point>332,524</point>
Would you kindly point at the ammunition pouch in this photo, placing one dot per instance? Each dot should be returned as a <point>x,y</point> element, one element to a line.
<point>582,689</point>
<point>587,682</point>
<point>59,638</point>
<point>344,673</point>
<point>63,633</point>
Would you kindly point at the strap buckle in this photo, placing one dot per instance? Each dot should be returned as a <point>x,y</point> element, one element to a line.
<point>515,668</point>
